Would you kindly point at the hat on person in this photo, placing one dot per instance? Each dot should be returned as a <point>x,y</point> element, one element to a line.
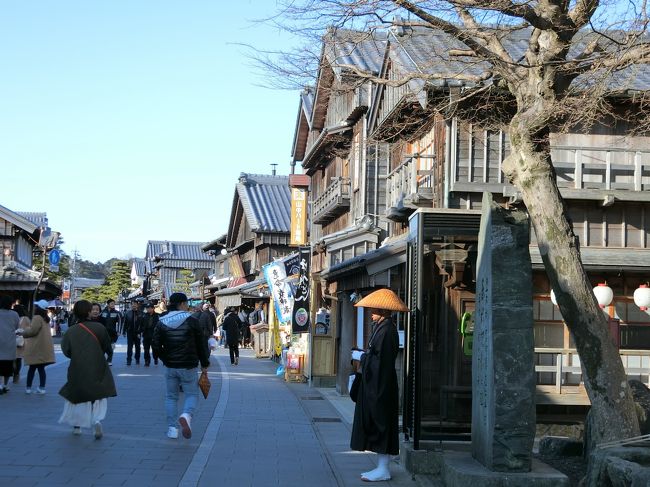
<point>177,298</point>
<point>42,303</point>
<point>148,304</point>
<point>383,299</point>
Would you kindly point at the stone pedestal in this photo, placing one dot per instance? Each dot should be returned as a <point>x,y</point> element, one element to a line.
<point>503,373</point>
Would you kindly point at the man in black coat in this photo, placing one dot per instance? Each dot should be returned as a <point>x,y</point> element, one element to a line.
<point>232,325</point>
<point>133,329</point>
<point>112,320</point>
<point>149,323</point>
<point>178,341</point>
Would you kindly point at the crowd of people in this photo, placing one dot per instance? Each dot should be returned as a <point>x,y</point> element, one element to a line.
<point>181,337</point>
<point>173,332</point>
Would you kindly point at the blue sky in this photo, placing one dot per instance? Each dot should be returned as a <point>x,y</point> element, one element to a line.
<point>130,120</point>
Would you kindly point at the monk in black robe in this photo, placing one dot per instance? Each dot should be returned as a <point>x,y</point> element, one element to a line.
<point>375,426</point>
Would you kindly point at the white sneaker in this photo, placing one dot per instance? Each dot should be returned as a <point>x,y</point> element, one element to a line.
<point>40,391</point>
<point>99,432</point>
<point>172,432</point>
<point>28,390</point>
<point>185,420</point>
<point>76,430</point>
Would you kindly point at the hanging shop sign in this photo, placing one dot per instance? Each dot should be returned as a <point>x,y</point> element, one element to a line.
<point>276,278</point>
<point>298,216</point>
<point>300,316</point>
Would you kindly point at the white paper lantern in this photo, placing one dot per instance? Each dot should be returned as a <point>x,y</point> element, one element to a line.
<point>642,297</point>
<point>553,298</point>
<point>604,294</point>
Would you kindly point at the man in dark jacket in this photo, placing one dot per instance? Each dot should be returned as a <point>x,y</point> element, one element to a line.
<point>178,340</point>
<point>232,325</point>
<point>112,321</point>
<point>133,329</point>
<point>149,322</point>
<point>208,323</point>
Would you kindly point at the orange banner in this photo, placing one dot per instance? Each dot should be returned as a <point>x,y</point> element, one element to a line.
<point>298,216</point>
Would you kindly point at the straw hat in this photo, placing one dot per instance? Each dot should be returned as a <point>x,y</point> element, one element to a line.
<point>383,299</point>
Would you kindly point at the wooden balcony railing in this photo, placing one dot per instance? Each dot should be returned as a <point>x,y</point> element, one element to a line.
<point>564,376</point>
<point>582,173</point>
<point>333,202</point>
<point>601,168</point>
<point>409,187</point>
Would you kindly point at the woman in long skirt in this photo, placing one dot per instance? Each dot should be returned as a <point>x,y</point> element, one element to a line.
<point>90,380</point>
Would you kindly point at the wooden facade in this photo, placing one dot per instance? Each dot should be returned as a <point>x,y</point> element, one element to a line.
<point>18,238</point>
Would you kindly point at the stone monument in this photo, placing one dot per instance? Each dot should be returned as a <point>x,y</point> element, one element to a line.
<point>503,371</point>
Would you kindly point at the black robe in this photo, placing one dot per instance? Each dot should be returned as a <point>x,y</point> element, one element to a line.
<point>375,425</point>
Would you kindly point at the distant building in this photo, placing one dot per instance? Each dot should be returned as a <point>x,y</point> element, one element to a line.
<point>170,262</point>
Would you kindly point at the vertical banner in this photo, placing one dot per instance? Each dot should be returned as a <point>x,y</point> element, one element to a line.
<point>300,316</point>
<point>276,278</point>
<point>298,216</point>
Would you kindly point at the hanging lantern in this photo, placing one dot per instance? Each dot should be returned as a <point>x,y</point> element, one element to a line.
<point>553,298</point>
<point>642,297</point>
<point>604,294</point>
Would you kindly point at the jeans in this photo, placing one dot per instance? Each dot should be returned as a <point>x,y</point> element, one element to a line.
<point>188,378</point>
<point>41,375</point>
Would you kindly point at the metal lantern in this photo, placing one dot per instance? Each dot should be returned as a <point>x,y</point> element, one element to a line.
<point>604,294</point>
<point>553,298</point>
<point>642,297</point>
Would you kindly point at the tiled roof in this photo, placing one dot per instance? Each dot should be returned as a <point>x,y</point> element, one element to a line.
<point>172,250</point>
<point>85,282</point>
<point>37,218</point>
<point>17,219</point>
<point>356,50</point>
<point>141,267</point>
<point>266,201</point>
<point>427,51</point>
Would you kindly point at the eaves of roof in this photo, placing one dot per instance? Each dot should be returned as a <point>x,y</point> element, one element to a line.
<point>17,220</point>
<point>324,141</point>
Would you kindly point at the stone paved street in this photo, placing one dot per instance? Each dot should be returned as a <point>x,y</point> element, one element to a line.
<point>254,429</point>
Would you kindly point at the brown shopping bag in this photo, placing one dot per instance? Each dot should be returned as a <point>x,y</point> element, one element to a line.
<point>204,384</point>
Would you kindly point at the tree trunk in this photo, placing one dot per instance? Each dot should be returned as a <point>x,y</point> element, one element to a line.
<point>530,169</point>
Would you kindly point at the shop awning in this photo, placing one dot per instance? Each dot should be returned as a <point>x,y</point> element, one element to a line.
<point>378,260</point>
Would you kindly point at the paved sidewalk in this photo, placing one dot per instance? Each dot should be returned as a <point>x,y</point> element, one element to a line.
<point>253,430</point>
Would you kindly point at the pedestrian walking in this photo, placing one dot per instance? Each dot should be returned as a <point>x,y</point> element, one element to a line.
<point>8,325</point>
<point>20,342</point>
<point>133,328</point>
<point>178,340</point>
<point>96,315</point>
<point>39,348</point>
<point>208,323</point>
<point>232,326</point>
<point>375,426</point>
<point>221,333</point>
<point>111,318</point>
<point>90,381</point>
<point>149,323</point>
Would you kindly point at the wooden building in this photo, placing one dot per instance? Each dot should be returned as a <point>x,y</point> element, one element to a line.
<point>19,235</point>
<point>174,265</point>
<point>258,233</point>
<point>348,196</point>
<point>438,169</point>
